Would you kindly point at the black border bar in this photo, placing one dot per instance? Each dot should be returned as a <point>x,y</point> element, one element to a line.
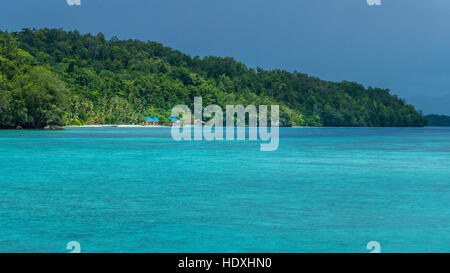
<point>226,262</point>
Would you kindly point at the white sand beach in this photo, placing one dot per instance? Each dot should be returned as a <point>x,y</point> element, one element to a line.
<point>117,126</point>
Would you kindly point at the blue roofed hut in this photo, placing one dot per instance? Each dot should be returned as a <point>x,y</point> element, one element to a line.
<point>151,121</point>
<point>175,121</point>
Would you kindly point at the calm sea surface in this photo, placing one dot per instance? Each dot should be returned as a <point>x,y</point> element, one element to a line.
<point>137,190</point>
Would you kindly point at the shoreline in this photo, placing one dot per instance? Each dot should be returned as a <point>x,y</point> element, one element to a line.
<point>117,126</point>
<point>168,126</point>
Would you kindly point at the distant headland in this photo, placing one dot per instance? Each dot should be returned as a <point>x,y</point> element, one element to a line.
<point>438,120</point>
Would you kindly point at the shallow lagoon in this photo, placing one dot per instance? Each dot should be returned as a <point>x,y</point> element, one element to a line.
<point>137,190</point>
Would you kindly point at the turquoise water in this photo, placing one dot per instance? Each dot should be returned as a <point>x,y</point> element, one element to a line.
<point>137,190</point>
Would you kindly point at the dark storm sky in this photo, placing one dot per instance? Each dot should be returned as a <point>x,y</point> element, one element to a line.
<point>403,45</point>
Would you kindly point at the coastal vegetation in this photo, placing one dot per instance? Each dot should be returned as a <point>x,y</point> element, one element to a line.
<point>56,77</point>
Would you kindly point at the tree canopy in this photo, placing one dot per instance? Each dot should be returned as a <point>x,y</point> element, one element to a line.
<point>51,76</point>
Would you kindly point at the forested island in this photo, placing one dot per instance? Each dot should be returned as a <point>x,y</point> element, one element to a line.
<point>57,77</point>
<point>438,120</point>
